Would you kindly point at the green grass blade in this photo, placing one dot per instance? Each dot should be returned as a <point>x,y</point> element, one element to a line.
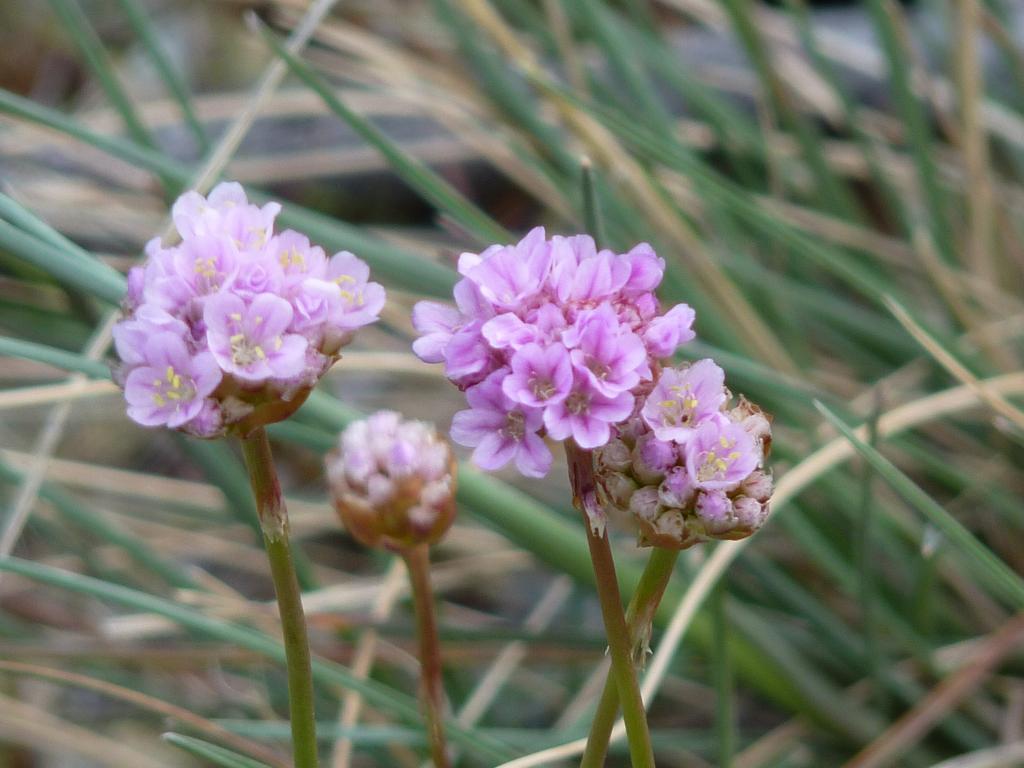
<point>832,190</point>
<point>59,358</point>
<point>89,275</point>
<point>916,124</point>
<point>81,32</point>
<point>95,523</point>
<point>324,672</point>
<point>976,556</point>
<point>150,38</point>
<point>211,752</point>
<point>400,267</point>
<point>417,175</point>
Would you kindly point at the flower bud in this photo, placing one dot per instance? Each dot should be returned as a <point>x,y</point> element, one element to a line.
<point>758,485</point>
<point>392,482</point>
<point>652,458</point>
<point>615,456</point>
<point>755,421</point>
<point>676,490</point>
<point>750,513</point>
<point>644,504</point>
<point>615,489</point>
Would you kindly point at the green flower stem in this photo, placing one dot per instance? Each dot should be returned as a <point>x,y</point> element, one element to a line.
<point>417,561</point>
<point>581,475</point>
<point>274,524</point>
<point>639,616</point>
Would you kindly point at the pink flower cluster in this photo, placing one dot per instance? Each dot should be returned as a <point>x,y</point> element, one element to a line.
<point>686,466</point>
<point>550,337</point>
<point>231,328</point>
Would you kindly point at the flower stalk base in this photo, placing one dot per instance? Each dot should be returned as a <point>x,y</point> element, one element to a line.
<point>639,617</point>
<point>417,562</point>
<point>623,671</point>
<point>274,524</point>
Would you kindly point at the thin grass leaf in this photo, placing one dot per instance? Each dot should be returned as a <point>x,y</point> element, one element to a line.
<point>976,557</point>
<point>81,32</point>
<point>916,124</point>
<point>639,90</point>
<point>215,754</point>
<point>59,358</point>
<point>18,215</point>
<point>866,566</point>
<point>721,674</point>
<point>592,219</point>
<point>400,267</point>
<point>214,459</point>
<point>893,201</point>
<point>831,189</point>
<point>87,519</point>
<point>83,35</point>
<point>89,275</point>
<point>150,38</point>
<point>431,186</point>
<point>324,672</point>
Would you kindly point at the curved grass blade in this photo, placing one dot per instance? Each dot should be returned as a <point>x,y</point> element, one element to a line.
<point>978,558</point>
<point>143,27</point>
<point>324,672</point>
<point>412,171</point>
<point>215,754</point>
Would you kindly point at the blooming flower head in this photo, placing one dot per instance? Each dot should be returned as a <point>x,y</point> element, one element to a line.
<point>549,337</point>
<point>231,328</point>
<point>392,481</point>
<point>691,469</point>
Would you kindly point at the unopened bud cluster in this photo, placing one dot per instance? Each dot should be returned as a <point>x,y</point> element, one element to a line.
<point>688,466</point>
<point>392,481</point>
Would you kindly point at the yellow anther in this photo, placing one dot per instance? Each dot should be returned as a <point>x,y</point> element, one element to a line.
<point>341,279</point>
<point>238,338</point>
<point>724,442</point>
<point>690,402</point>
<point>278,342</point>
<point>173,394</point>
<point>159,399</point>
<point>236,316</point>
<point>170,373</point>
<point>668,403</point>
<point>347,295</point>
<point>260,353</point>
<point>292,257</point>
